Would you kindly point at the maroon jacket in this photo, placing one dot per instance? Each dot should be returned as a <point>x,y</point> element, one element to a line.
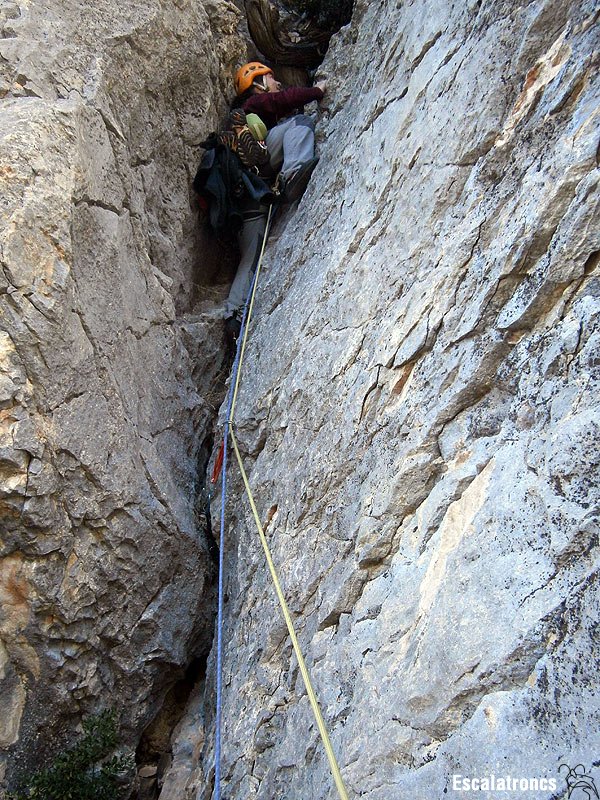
<point>272,107</point>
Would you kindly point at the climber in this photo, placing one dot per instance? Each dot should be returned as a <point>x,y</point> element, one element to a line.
<point>290,139</point>
<point>232,182</point>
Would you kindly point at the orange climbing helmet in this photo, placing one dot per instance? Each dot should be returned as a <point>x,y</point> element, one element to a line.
<point>244,77</point>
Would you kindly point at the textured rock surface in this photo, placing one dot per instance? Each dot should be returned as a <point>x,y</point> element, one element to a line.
<point>420,406</point>
<point>104,580</point>
<point>418,415</point>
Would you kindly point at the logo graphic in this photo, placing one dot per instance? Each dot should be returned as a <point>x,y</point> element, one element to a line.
<point>580,783</point>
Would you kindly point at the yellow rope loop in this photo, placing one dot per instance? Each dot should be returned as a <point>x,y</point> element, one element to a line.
<point>335,770</point>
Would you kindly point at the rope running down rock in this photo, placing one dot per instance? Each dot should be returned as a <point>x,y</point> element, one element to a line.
<point>229,432</point>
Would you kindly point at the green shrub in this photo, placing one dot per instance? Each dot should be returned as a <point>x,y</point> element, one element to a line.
<point>84,772</point>
<point>327,14</point>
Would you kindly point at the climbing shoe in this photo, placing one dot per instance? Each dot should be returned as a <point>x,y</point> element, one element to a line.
<point>298,181</point>
<point>232,331</point>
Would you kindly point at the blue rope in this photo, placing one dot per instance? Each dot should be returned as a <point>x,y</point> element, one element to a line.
<point>219,689</point>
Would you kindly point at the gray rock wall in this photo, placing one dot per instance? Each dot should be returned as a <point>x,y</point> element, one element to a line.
<point>105,369</point>
<point>419,420</point>
<point>418,412</point>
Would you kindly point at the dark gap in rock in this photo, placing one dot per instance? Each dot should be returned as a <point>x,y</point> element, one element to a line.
<point>328,15</point>
<point>215,264</point>
<point>207,262</point>
<point>591,263</point>
<point>202,502</point>
<point>154,752</point>
<point>292,36</point>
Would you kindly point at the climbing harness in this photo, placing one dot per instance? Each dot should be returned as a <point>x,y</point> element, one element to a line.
<point>223,453</point>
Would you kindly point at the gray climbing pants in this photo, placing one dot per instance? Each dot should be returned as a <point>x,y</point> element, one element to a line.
<point>250,240</point>
<point>291,143</point>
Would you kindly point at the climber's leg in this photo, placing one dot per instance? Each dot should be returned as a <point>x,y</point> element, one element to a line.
<point>250,242</point>
<point>298,144</point>
<point>291,143</point>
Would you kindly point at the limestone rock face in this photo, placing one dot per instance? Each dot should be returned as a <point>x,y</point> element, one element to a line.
<point>419,419</point>
<point>104,577</point>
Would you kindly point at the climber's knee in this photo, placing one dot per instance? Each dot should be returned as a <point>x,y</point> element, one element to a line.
<point>306,120</point>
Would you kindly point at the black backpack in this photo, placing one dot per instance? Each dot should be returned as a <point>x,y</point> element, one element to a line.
<point>224,183</point>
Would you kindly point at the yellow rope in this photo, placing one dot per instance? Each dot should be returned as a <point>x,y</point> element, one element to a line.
<point>335,770</point>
